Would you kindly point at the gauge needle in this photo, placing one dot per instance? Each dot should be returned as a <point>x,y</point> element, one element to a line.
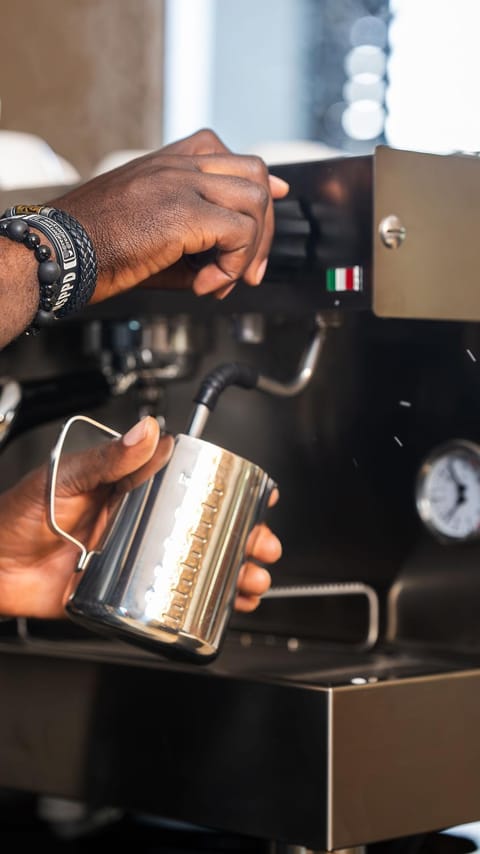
<point>458,503</point>
<point>461,490</point>
<point>454,475</point>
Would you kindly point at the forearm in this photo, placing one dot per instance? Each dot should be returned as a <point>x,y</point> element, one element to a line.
<point>19,293</point>
<point>57,272</point>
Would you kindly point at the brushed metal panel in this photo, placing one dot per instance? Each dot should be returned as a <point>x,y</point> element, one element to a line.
<point>435,273</point>
<point>405,758</point>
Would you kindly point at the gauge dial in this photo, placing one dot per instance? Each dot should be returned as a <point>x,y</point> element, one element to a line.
<point>448,491</point>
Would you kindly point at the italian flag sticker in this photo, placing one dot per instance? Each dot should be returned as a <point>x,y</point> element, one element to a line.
<point>344,279</point>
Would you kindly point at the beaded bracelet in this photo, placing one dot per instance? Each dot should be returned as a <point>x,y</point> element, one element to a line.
<point>87,261</point>
<point>66,254</point>
<point>48,272</point>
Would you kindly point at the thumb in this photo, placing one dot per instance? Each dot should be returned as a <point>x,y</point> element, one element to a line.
<point>278,187</point>
<point>126,461</point>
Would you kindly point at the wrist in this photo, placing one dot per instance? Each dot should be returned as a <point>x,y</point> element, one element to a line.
<point>74,252</point>
<point>18,280</point>
<point>17,230</point>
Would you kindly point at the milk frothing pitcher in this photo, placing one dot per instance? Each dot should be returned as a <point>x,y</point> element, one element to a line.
<point>165,575</point>
<point>166,572</point>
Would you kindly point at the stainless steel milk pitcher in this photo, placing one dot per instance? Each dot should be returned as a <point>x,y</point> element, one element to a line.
<point>165,575</point>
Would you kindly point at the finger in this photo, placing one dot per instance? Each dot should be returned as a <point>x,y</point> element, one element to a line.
<point>255,171</point>
<point>255,274</point>
<point>263,546</point>
<point>232,212</point>
<point>244,166</point>
<point>203,141</point>
<point>253,580</point>
<point>237,236</point>
<point>157,461</point>
<point>247,166</point>
<point>224,292</point>
<point>274,496</point>
<point>246,604</point>
<point>278,187</point>
<point>113,461</point>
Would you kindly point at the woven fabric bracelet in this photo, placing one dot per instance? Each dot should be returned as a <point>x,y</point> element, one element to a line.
<point>87,262</point>
<point>86,255</point>
<point>48,272</point>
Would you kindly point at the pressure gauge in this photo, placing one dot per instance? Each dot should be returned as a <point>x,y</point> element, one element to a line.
<point>448,491</point>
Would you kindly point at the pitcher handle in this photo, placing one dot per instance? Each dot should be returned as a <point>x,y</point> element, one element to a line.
<point>53,472</point>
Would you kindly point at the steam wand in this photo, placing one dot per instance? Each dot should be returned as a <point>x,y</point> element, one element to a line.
<point>246,376</point>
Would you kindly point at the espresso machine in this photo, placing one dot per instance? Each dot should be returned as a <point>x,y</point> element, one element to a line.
<point>343,713</point>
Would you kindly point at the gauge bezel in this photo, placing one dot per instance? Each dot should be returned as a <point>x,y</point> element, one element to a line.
<point>462,447</point>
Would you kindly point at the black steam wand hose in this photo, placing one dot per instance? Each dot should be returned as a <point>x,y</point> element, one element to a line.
<point>246,376</point>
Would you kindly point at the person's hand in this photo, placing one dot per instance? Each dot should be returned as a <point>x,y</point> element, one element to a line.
<point>191,215</point>
<point>36,565</point>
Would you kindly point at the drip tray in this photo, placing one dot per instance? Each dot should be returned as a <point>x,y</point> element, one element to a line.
<point>327,665</point>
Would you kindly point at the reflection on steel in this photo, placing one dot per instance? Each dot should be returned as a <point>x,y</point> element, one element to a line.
<point>10,396</point>
<point>306,368</point>
<point>347,588</point>
<point>249,328</point>
<point>143,354</point>
<point>392,232</point>
<point>158,349</point>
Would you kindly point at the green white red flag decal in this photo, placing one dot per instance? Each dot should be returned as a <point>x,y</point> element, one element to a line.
<point>344,279</point>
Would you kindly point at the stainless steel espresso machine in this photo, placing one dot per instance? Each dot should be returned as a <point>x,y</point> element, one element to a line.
<point>344,712</point>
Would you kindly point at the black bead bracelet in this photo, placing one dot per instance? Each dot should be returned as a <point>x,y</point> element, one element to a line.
<point>48,270</point>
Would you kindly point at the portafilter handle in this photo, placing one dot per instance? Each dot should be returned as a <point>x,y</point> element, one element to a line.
<point>30,403</point>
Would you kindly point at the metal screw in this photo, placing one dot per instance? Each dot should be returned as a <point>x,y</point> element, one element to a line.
<point>392,232</point>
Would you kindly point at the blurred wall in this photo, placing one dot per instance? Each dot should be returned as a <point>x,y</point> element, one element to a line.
<point>86,75</point>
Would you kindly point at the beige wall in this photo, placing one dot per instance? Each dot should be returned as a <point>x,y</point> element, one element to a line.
<point>86,75</point>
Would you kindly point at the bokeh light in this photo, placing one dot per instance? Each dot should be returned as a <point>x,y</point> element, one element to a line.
<point>432,95</point>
